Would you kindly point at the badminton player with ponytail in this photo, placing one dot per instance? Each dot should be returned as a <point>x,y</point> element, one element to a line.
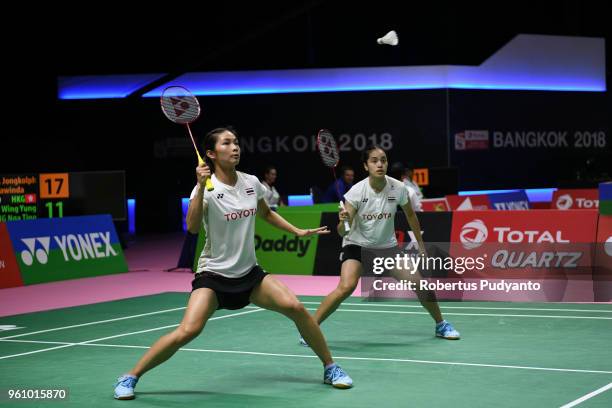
<point>370,207</point>
<point>228,276</point>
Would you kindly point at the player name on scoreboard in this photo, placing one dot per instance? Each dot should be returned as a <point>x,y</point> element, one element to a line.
<point>29,196</point>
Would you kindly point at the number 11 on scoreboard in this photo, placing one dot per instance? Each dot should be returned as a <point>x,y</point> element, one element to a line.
<point>60,208</point>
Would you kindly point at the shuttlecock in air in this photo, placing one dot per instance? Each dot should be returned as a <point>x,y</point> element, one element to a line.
<point>390,38</point>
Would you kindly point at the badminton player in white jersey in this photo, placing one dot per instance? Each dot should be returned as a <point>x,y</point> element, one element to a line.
<point>370,208</point>
<point>228,276</point>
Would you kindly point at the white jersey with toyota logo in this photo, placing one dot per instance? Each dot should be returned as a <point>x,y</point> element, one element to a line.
<point>229,222</point>
<point>374,222</point>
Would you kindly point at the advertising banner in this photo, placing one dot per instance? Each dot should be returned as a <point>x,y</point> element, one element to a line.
<point>281,252</point>
<point>468,202</point>
<point>516,200</point>
<point>543,251</point>
<point>49,250</point>
<point>435,204</point>
<point>9,271</point>
<point>575,199</point>
<point>505,139</point>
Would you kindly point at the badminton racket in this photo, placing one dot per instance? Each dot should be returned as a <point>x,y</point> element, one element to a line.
<point>328,150</point>
<point>180,106</point>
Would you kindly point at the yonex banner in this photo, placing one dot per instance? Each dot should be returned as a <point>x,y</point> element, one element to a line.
<point>66,248</point>
<point>575,199</point>
<point>9,271</point>
<point>516,200</point>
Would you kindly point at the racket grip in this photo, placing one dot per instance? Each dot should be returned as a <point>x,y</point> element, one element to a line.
<point>347,227</point>
<point>209,185</point>
<point>201,162</point>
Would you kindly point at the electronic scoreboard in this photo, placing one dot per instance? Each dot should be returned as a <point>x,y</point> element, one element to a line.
<point>57,195</point>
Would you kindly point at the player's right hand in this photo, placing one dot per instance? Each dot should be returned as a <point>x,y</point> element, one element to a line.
<point>343,214</point>
<point>202,173</point>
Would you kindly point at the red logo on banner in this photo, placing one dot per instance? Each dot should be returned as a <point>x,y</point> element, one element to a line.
<point>30,198</point>
<point>471,202</point>
<point>472,140</point>
<point>9,271</point>
<point>583,199</point>
<point>435,204</point>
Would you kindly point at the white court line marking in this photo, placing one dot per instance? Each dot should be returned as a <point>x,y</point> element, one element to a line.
<point>471,314</point>
<point>7,327</point>
<point>471,307</point>
<point>103,321</point>
<point>96,322</point>
<point>588,396</point>
<point>312,309</point>
<point>118,335</point>
<point>307,303</point>
<point>38,342</point>
<point>400,360</point>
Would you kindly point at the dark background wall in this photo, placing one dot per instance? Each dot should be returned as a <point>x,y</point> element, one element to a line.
<point>44,134</point>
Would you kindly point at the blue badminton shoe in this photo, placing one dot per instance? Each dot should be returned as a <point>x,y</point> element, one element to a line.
<point>446,330</point>
<point>124,387</point>
<point>335,376</point>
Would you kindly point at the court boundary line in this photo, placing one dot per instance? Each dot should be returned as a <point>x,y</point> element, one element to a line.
<point>587,396</point>
<point>119,335</point>
<point>343,304</point>
<point>401,360</point>
<point>472,314</point>
<point>95,322</point>
<point>341,309</point>
<point>102,321</point>
<point>470,307</point>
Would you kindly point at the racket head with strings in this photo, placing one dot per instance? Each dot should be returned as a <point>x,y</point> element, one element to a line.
<point>182,107</point>
<point>328,150</point>
<point>179,105</point>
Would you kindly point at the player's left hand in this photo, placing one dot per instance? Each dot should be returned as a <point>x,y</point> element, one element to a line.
<point>313,231</point>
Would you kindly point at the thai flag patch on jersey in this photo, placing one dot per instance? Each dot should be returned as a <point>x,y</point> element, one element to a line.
<point>250,191</point>
<point>391,198</point>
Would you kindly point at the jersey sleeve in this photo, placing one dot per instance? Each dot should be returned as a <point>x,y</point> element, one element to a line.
<point>353,197</point>
<point>193,194</point>
<point>415,200</point>
<point>260,189</point>
<point>403,197</point>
